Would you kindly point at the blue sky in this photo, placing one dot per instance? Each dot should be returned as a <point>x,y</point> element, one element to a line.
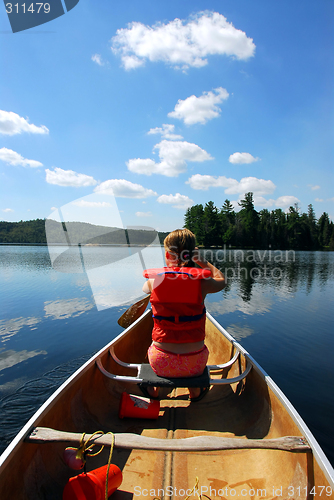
<point>167,104</point>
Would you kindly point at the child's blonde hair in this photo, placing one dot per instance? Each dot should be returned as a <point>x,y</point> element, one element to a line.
<point>181,243</point>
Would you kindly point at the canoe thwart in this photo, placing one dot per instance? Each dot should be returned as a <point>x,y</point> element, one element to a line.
<point>147,377</point>
<point>295,444</point>
<point>121,363</point>
<point>210,367</point>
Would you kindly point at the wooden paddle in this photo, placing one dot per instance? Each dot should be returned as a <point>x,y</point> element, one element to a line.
<point>196,443</point>
<point>134,312</point>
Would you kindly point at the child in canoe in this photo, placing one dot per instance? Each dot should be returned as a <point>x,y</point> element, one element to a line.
<point>177,298</point>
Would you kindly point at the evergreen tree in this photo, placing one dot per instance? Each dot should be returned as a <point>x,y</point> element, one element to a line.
<point>193,221</point>
<point>278,236</point>
<point>211,224</point>
<point>264,228</point>
<point>293,227</point>
<point>227,223</point>
<point>249,219</point>
<point>312,224</point>
<point>323,227</point>
<point>331,241</point>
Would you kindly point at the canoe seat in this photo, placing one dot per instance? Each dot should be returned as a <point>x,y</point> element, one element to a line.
<point>147,377</point>
<point>150,378</point>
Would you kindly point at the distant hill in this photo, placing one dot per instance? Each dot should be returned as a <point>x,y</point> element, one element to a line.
<point>41,231</point>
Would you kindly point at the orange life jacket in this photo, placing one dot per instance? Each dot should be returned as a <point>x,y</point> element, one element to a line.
<point>177,304</point>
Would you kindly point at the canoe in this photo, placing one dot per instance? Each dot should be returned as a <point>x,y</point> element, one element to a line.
<point>243,439</point>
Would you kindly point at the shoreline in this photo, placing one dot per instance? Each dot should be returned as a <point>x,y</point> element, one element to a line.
<point>119,245</point>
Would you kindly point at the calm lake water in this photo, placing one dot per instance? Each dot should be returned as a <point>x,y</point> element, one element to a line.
<point>278,305</point>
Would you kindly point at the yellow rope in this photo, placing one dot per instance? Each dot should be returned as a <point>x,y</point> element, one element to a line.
<point>193,491</point>
<point>109,461</point>
<point>84,448</point>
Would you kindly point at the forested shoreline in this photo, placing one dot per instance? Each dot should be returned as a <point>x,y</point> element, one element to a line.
<point>33,232</point>
<point>248,228</point>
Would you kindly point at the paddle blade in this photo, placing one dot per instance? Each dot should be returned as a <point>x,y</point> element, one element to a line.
<point>134,312</point>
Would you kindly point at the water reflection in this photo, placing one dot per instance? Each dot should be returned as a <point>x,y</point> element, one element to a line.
<point>279,306</point>
<point>11,358</point>
<point>30,258</point>
<point>266,268</point>
<point>233,301</point>
<point>239,331</point>
<point>10,327</point>
<point>66,308</point>
<point>284,271</point>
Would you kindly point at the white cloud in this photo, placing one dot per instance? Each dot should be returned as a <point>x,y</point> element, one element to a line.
<point>200,109</point>
<point>142,166</point>
<point>181,43</point>
<point>7,210</point>
<point>245,185</point>
<point>132,62</point>
<point>123,189</point>
<point>242,158</point>
<point>62,177</point>
<point>286,201</point>
<point>282,201</point>
<point>181,151</point>
<point>318,199</point>
<point>12,158</point>
<point>91,204</point>
<point>97,58</point>
<point>166,131</point>
<point>178,200</point>
<point>314,188</point>
<point>236,206</point>
<point>263,202</point>
<point>174,156</point>
<point>204,182</point>
<point>12,124</point>
<point>144,214</point>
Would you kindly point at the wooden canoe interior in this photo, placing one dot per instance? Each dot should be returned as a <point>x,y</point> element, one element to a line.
<point>244,410</point>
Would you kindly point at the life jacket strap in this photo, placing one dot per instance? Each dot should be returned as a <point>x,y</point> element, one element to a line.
<point>174,272</point>
<point>180,319</point>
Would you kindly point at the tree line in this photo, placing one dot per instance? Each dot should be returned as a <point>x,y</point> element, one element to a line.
<point>34,232</point>
<point>31,231</point>
<point>248,228</point>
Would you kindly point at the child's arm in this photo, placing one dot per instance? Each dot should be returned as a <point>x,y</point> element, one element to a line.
<point>147,287</point>
<point>217,281</point>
